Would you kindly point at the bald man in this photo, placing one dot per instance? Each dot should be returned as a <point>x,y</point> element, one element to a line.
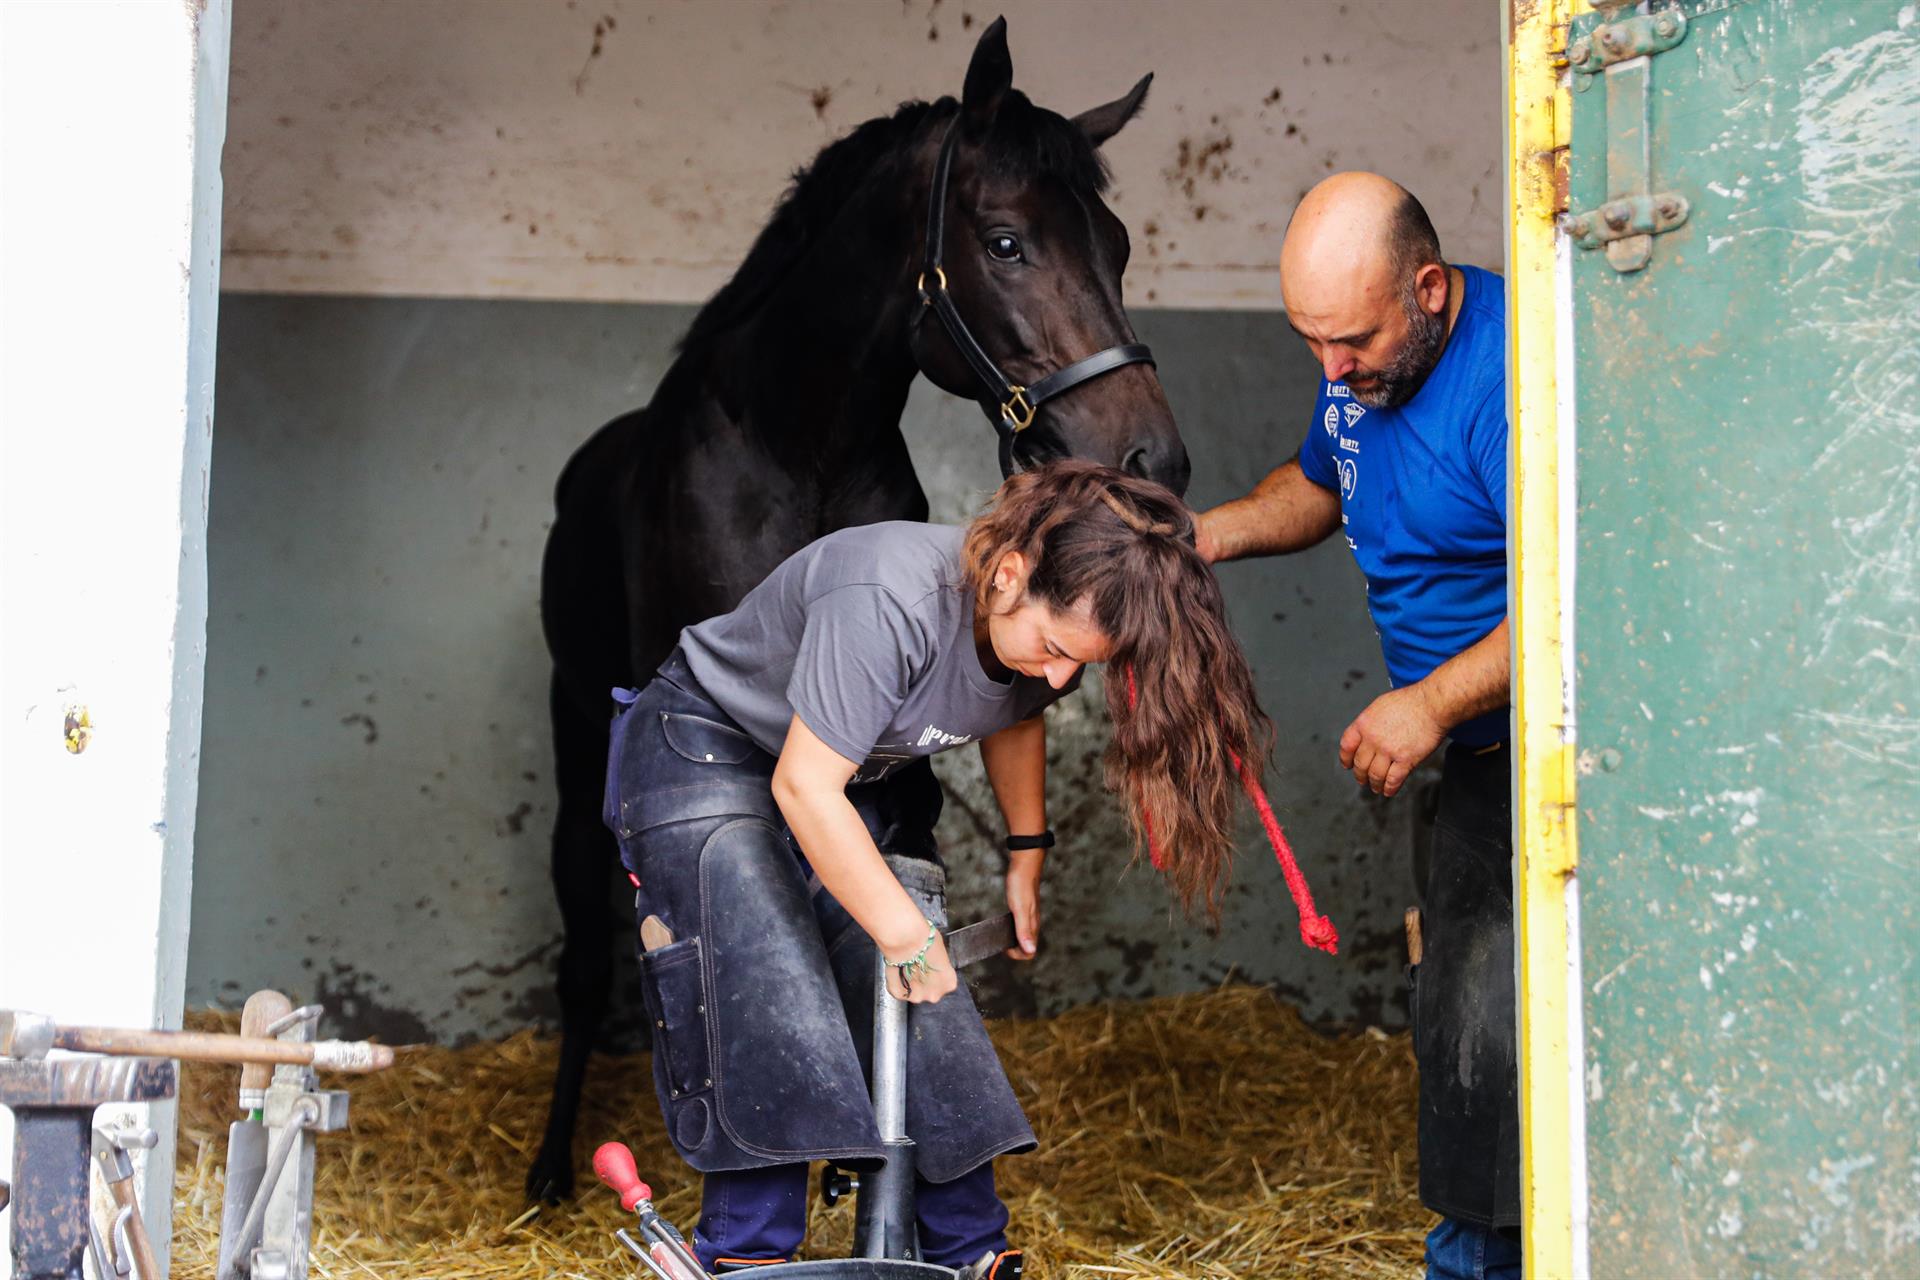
<point>1406,455</point>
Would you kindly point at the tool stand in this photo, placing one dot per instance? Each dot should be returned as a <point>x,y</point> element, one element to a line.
<point>53,1101</point>
<point>265,1230</point>
<point>266,1224</point>
<point>883,1214</point>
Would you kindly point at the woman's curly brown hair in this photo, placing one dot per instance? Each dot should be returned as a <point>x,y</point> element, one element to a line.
<point>1123,548</point>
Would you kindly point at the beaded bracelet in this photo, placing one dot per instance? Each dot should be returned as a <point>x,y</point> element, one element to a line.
<point>917,965</point>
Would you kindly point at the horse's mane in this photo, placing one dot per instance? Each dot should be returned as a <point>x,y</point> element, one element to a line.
<point>1026,142</point>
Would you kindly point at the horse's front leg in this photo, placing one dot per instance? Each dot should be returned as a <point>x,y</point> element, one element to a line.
<point>583,858</point>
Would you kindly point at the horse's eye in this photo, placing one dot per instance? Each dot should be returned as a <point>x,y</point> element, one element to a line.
<point>1003,246</point>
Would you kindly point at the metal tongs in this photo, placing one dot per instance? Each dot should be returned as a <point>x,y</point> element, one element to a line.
<point>665,1253</point>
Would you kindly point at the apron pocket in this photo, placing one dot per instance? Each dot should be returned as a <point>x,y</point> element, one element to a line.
<point>704,741</point>
<point>670,979</point>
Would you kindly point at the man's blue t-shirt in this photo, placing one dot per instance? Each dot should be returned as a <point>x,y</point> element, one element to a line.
<point>1423,498</point>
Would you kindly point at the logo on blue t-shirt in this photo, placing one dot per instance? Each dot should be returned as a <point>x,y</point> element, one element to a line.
<point>1427,517</point>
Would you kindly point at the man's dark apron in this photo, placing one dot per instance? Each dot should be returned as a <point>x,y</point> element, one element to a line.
<point>762,1006</point>
<point>1463,999</point>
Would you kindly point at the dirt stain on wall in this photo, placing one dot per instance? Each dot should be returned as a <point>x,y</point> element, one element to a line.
<point>601,30</point>
<point>1198,163</point>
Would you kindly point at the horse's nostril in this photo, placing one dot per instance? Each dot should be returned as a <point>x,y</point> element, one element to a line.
<point>1163,463</point>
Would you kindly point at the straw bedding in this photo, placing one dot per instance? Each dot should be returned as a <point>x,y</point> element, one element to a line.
<point>1210,1135</point>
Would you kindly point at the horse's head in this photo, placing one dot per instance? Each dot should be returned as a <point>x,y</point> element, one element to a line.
<point>1030,261</point>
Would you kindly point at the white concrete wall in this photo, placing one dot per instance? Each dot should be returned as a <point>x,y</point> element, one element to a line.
<point>630,149</point>
<point>112,117</point>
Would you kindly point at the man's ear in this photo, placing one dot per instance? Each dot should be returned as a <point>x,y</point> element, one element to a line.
<point>1431,285</point>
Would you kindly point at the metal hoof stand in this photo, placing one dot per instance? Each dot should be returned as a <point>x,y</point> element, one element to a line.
<point>884,1231</point>
<point>269,1210</point>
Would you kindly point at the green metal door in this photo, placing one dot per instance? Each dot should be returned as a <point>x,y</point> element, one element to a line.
<point>1747,396</point>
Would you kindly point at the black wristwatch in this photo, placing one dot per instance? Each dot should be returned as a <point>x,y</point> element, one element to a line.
<point>1042,841</point>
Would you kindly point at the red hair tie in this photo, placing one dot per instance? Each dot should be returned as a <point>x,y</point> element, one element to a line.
<point>1315,929</point>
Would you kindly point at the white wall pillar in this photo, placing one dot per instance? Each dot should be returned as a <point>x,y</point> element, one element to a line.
<point>112,117</point>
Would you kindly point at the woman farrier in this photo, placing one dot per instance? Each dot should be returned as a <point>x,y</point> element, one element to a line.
<point>737,787</point>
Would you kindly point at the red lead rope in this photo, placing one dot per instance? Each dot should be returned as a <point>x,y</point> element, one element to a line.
<point>1315,929</point>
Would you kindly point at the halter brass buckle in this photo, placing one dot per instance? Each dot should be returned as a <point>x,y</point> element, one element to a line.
<point>926,299</point>
<point>1010,411</point>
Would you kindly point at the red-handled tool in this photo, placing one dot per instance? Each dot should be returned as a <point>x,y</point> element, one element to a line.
<point>665,1253</point>
<point>613,1162</point>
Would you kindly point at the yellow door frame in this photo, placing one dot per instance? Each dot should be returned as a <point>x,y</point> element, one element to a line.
<point>1540,563</point>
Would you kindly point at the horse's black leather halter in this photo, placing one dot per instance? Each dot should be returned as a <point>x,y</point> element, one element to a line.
<point>1009,406</point>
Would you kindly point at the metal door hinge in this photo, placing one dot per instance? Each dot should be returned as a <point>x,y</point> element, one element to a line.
<point>1622,52</point>
<point>1644,34</point>
<point>1619,219</point>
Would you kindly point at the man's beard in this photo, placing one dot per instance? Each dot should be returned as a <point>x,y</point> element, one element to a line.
<point>1403,376</point>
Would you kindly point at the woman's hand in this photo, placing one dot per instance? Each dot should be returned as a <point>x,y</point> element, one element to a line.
<point>1023,899</point>
<point>926,987</point>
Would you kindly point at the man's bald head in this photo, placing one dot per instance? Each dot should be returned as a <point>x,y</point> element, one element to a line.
<point>1363,282</point>
<point>1355,228</point>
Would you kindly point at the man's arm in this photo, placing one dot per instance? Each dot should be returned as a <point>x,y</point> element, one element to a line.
<point>1402,727</point>
<point>1474,681</point>
<point>1016,761</point>
<point>1285,512</point>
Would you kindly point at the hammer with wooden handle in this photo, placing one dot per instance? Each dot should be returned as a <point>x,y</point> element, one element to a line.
<point>28,1036</point>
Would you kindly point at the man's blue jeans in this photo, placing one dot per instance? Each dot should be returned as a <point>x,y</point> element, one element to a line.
<point>1459,1250</point>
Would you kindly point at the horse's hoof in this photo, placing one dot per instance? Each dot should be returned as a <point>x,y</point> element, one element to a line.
<point>549,1182</point>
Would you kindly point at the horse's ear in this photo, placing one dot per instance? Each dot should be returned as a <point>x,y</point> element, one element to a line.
<point>1102,123</point>
<point>989,76</point>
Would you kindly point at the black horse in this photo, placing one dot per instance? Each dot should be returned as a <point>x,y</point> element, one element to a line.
<point>780,421</point>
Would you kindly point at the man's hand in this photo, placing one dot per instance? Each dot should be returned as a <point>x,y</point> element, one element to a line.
<point>1390,739</point>
<point>1023,899</point>
<point>1203,541</point>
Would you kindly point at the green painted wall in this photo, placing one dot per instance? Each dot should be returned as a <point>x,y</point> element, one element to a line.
<point>1748,629</point>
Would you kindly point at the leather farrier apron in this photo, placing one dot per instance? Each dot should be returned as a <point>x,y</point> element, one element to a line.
<point>1463,999</point>
<point>762,1005</point>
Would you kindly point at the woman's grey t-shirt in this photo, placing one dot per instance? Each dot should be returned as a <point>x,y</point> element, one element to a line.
<point>867,636</point>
